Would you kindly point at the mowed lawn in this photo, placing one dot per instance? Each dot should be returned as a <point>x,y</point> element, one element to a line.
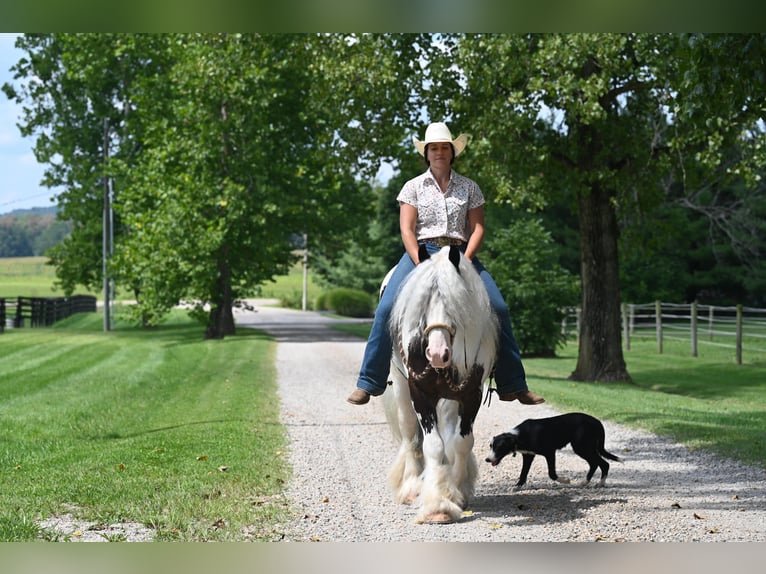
<point>708,402</point>
<point>158,427</point>
<point>183,435</point>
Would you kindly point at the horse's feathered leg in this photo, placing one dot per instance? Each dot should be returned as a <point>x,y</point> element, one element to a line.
<point>404,477</point>
<point>458,450</point>
<point>438,493</point>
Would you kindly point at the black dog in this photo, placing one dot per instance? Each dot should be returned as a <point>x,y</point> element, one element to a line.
<point>546,436</point>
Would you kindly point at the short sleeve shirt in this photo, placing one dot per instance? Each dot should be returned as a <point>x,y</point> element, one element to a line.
<point>441,214</point>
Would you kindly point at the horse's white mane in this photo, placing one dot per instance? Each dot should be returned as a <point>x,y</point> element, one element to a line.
<point>436,286</point>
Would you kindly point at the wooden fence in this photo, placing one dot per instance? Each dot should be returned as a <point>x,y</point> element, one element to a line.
<point>742,329</point>
<point>42,311</point>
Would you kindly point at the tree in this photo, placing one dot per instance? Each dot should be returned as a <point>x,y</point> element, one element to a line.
<point>602,119</point>
<point>75,93</point>
<point>223,147</point>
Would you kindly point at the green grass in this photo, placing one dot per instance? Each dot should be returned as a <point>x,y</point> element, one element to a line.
<point>708,402</point>
<point>139,425</point>
<point>31,277</point>
<point>28,277</point>
<point>161,427</point>
<point>289,288</point>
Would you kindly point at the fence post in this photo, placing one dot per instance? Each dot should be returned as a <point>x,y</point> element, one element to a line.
<point>658,323</point>
<point>739,334</point>
<point>578,318</point>
<point>694,328</point>
<point>625,328</point>
<point>710,318</point>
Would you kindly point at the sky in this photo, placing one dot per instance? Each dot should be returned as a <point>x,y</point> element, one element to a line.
<point>20,174</point>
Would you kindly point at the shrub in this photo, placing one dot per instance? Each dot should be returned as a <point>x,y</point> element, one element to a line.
<point>293,300</point>
<point>522,260</point>
<point>347,302</point>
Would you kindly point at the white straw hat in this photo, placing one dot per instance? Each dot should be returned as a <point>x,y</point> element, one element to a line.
<point>439,132</point>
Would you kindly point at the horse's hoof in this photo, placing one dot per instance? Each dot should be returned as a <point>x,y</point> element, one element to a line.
<point>409,500</point>
<point>438,518</point>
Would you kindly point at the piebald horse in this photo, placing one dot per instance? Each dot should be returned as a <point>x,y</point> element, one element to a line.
<point>445,339</point>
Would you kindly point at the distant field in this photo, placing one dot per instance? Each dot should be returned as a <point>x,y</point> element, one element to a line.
<point>28,277</point>
<point>31,277</point>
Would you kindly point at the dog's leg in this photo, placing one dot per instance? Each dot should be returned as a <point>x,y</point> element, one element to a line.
<point>551,458</point>
<point>525,466</point>
<point>604,472</point>
<point>592,466</point>
<point>588,452</point>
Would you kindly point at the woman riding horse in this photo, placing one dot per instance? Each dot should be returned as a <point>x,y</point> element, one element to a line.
<point>437,208</point>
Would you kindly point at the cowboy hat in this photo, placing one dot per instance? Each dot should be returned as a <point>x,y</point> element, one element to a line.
<point>439,132</point>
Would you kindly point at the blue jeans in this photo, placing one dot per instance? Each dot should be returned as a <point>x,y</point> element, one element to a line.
<point>373,375</point>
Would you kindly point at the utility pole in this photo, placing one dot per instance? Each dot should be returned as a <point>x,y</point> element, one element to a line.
<point>107,233</point>
<point>305,271</point>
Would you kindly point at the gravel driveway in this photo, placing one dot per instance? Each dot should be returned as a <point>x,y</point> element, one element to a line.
<point>341,453</point>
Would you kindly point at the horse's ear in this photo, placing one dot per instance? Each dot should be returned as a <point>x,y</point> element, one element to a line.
<point>423,253</point>
<point>454,256</point>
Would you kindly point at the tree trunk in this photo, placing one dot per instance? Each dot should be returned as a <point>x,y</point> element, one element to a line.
<point>600,356</point>
<point>221,319</point>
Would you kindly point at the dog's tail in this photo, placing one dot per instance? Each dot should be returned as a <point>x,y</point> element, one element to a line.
<point>606,454</point>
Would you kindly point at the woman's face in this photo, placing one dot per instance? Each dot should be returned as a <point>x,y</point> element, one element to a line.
<point>439,154</point>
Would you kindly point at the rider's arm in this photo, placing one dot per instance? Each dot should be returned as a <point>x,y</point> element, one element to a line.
<point>475,231</point>
<point>408,218</point>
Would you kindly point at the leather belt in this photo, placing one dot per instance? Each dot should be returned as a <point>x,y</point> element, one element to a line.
<point>443,241</point>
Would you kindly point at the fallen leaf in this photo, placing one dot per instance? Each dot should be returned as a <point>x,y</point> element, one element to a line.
<point>325,499</point>
<point>699,516</point>
<point>223,468</point>
<point>202,457</point>
<point>119,466</point>
<point>468,513</point>
<point>675,505</point>
<point>735,497</point>
<point>495,526</point>
<point>713,531</point>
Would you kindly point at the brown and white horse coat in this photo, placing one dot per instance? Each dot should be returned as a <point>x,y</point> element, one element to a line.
<point>445,341</point>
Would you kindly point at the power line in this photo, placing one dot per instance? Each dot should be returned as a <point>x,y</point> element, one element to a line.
<point>47,193</point>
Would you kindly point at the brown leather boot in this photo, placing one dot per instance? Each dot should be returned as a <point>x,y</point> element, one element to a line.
<point>359,397</point>
<point>524,397</point>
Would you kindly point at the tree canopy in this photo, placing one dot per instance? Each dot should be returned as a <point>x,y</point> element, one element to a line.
<point>221,149</point>
<point>610,124</point>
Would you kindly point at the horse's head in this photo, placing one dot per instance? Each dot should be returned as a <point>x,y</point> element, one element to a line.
<point>442,319</point>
